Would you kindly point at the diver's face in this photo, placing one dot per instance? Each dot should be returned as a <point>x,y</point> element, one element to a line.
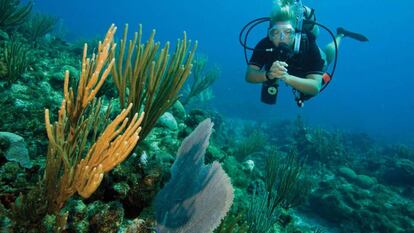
<point>282,32</point>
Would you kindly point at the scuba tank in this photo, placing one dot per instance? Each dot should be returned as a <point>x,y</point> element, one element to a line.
<point>299,12</point>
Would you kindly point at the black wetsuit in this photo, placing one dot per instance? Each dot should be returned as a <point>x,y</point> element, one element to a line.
<point>307,61</point>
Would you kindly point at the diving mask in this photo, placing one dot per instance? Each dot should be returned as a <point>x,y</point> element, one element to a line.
<point>282,31</point>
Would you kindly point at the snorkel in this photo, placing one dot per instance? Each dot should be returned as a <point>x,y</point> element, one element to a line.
<point>299,12</point>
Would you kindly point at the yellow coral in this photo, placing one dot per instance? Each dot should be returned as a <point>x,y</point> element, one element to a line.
<point>68,169</point>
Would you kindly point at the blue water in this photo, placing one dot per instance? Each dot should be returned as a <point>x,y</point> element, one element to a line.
<point>371,91</point>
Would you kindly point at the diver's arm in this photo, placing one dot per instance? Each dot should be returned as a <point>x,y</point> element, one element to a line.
<point>311,85</point>
<point>255,75</point>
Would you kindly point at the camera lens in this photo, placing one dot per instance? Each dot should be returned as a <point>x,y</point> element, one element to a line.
<point>272,90</point>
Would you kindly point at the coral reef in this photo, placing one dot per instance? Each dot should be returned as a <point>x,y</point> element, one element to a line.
<point>301,178</point>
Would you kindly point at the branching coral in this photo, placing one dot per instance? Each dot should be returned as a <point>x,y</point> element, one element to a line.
<point>15,58</point>
<point>68,170</point>
<point>285,188</point>
<point>150,78</point>
<point>202,78</point>
<point>38,25</point>
<point>11,14</point>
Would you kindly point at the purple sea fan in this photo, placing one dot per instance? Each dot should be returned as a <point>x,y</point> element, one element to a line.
<point>197,196</point>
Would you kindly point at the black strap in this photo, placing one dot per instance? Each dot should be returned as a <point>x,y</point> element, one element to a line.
<point>310,17</point>
<point>312,14</point>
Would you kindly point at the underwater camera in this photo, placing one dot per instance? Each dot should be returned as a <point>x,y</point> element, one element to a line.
<point>269,92</point>
<point>270,88</point>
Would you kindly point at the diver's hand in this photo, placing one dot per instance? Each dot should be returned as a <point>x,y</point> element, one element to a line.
<point>278,70</point>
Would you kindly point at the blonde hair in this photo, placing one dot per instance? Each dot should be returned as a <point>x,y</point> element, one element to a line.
<point>283,2</point>
<point>282,14</point>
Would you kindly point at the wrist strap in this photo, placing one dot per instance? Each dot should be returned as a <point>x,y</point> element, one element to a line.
<point>267,76</point>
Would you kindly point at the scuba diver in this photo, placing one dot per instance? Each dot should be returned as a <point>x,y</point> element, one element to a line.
<point>289,53</point>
